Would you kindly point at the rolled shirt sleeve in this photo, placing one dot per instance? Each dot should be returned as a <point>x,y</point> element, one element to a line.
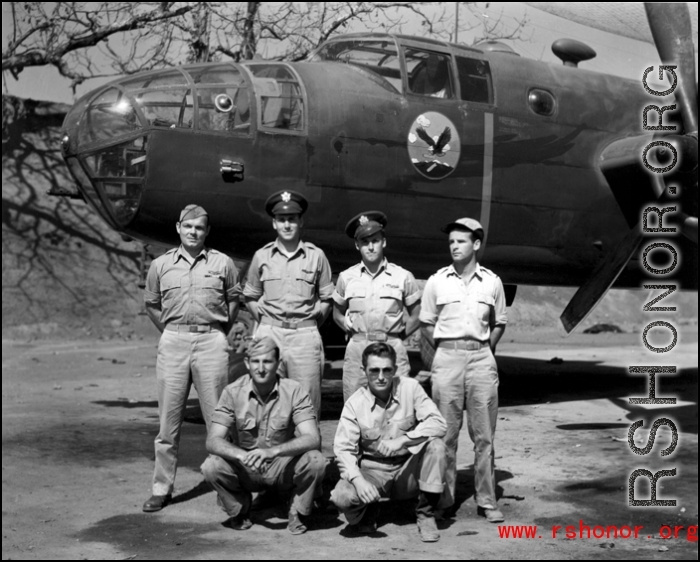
<point>499,307</point>
<point>225,414</point>
<point>151,293</point>
<point>302,408</point>
<point>429,311</point>
<point>411,290</point>
<point>339,293</point>
<point>253,288</point>
<point>325,283</point>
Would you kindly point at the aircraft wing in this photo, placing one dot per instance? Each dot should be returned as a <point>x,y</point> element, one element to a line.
<point>619,18</point>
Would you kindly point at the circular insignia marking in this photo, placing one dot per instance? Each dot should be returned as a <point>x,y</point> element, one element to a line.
<point>433,145</point>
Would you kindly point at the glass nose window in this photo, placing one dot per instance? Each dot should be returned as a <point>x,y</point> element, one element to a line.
<point>109,115</point>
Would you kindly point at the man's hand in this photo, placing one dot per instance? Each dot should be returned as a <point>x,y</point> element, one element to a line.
<point>366,491</point>
<point>389,447</point>
<point>256,458</point>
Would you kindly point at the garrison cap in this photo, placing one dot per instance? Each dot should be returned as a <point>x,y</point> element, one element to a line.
<point>286,202</point>
<point>261,347</point>
<point>470,224</point>
<point>365,224</point>
<point>192,212</point>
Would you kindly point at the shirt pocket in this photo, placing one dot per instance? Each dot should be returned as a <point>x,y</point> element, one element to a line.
<point>484,306</point>
<point>278,431</point>
<point>306,284</point>
<point>247,430</point>
<point>402,426</point>
<point>213,291</point>
<point>391,299</point>
<point>370,437</point>
<point>449,307</point>
<point>356,299</point>
<point>170,289</point>
<point>273,289</point>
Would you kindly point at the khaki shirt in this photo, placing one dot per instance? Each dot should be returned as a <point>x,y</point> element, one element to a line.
<point>365,421</point>
<point>289,288</point>
<point>463,311</point>
<point>254,423</point>
<point>192,291</point>
<point>376,303</point>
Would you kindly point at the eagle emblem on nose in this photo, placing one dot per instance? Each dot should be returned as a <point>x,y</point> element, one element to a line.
<point>437,147</point>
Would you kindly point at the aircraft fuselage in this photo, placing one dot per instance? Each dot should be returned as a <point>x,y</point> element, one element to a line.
<point>523,156</point>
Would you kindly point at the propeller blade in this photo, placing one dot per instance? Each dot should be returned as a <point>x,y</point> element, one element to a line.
<point>670,27</point>
<point>601,279</point>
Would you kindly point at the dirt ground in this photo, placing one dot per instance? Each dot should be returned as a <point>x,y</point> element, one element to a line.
<point>79,419</point>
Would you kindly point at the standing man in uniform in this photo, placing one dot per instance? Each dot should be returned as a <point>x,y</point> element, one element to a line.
<point>463,316</point>
<point>370,299</point>
<point>192,297</point>
<point>289,293</point>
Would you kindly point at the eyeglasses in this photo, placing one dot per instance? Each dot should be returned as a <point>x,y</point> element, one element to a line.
<point>385,371</point>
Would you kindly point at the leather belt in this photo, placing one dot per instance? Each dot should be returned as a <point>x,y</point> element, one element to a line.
<point>387,460</point>
<point>469,345</point>
<point>374,336</point>
<point>199,328</point>
<point>287,325</point>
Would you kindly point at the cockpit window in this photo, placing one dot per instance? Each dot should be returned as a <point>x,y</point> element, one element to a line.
<point>378,57</point>
<point>474,80</point>
<point>281,98</point>
<point>171,108</point>
<point>429,73</point>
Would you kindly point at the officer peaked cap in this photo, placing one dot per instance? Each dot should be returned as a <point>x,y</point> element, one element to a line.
<point>365,224</point>
<point>286,202</point>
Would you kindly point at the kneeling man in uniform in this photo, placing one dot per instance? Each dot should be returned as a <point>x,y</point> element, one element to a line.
<point>253,445</point>
<point>388,445</point>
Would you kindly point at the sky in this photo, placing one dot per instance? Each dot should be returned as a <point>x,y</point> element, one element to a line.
<point>616,55</point>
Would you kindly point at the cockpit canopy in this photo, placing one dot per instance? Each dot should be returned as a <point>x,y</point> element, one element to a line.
<point>416,67</point>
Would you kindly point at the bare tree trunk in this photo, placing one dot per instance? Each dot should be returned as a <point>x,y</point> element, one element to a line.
<point>199,45</point>
<point>249,38</point>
